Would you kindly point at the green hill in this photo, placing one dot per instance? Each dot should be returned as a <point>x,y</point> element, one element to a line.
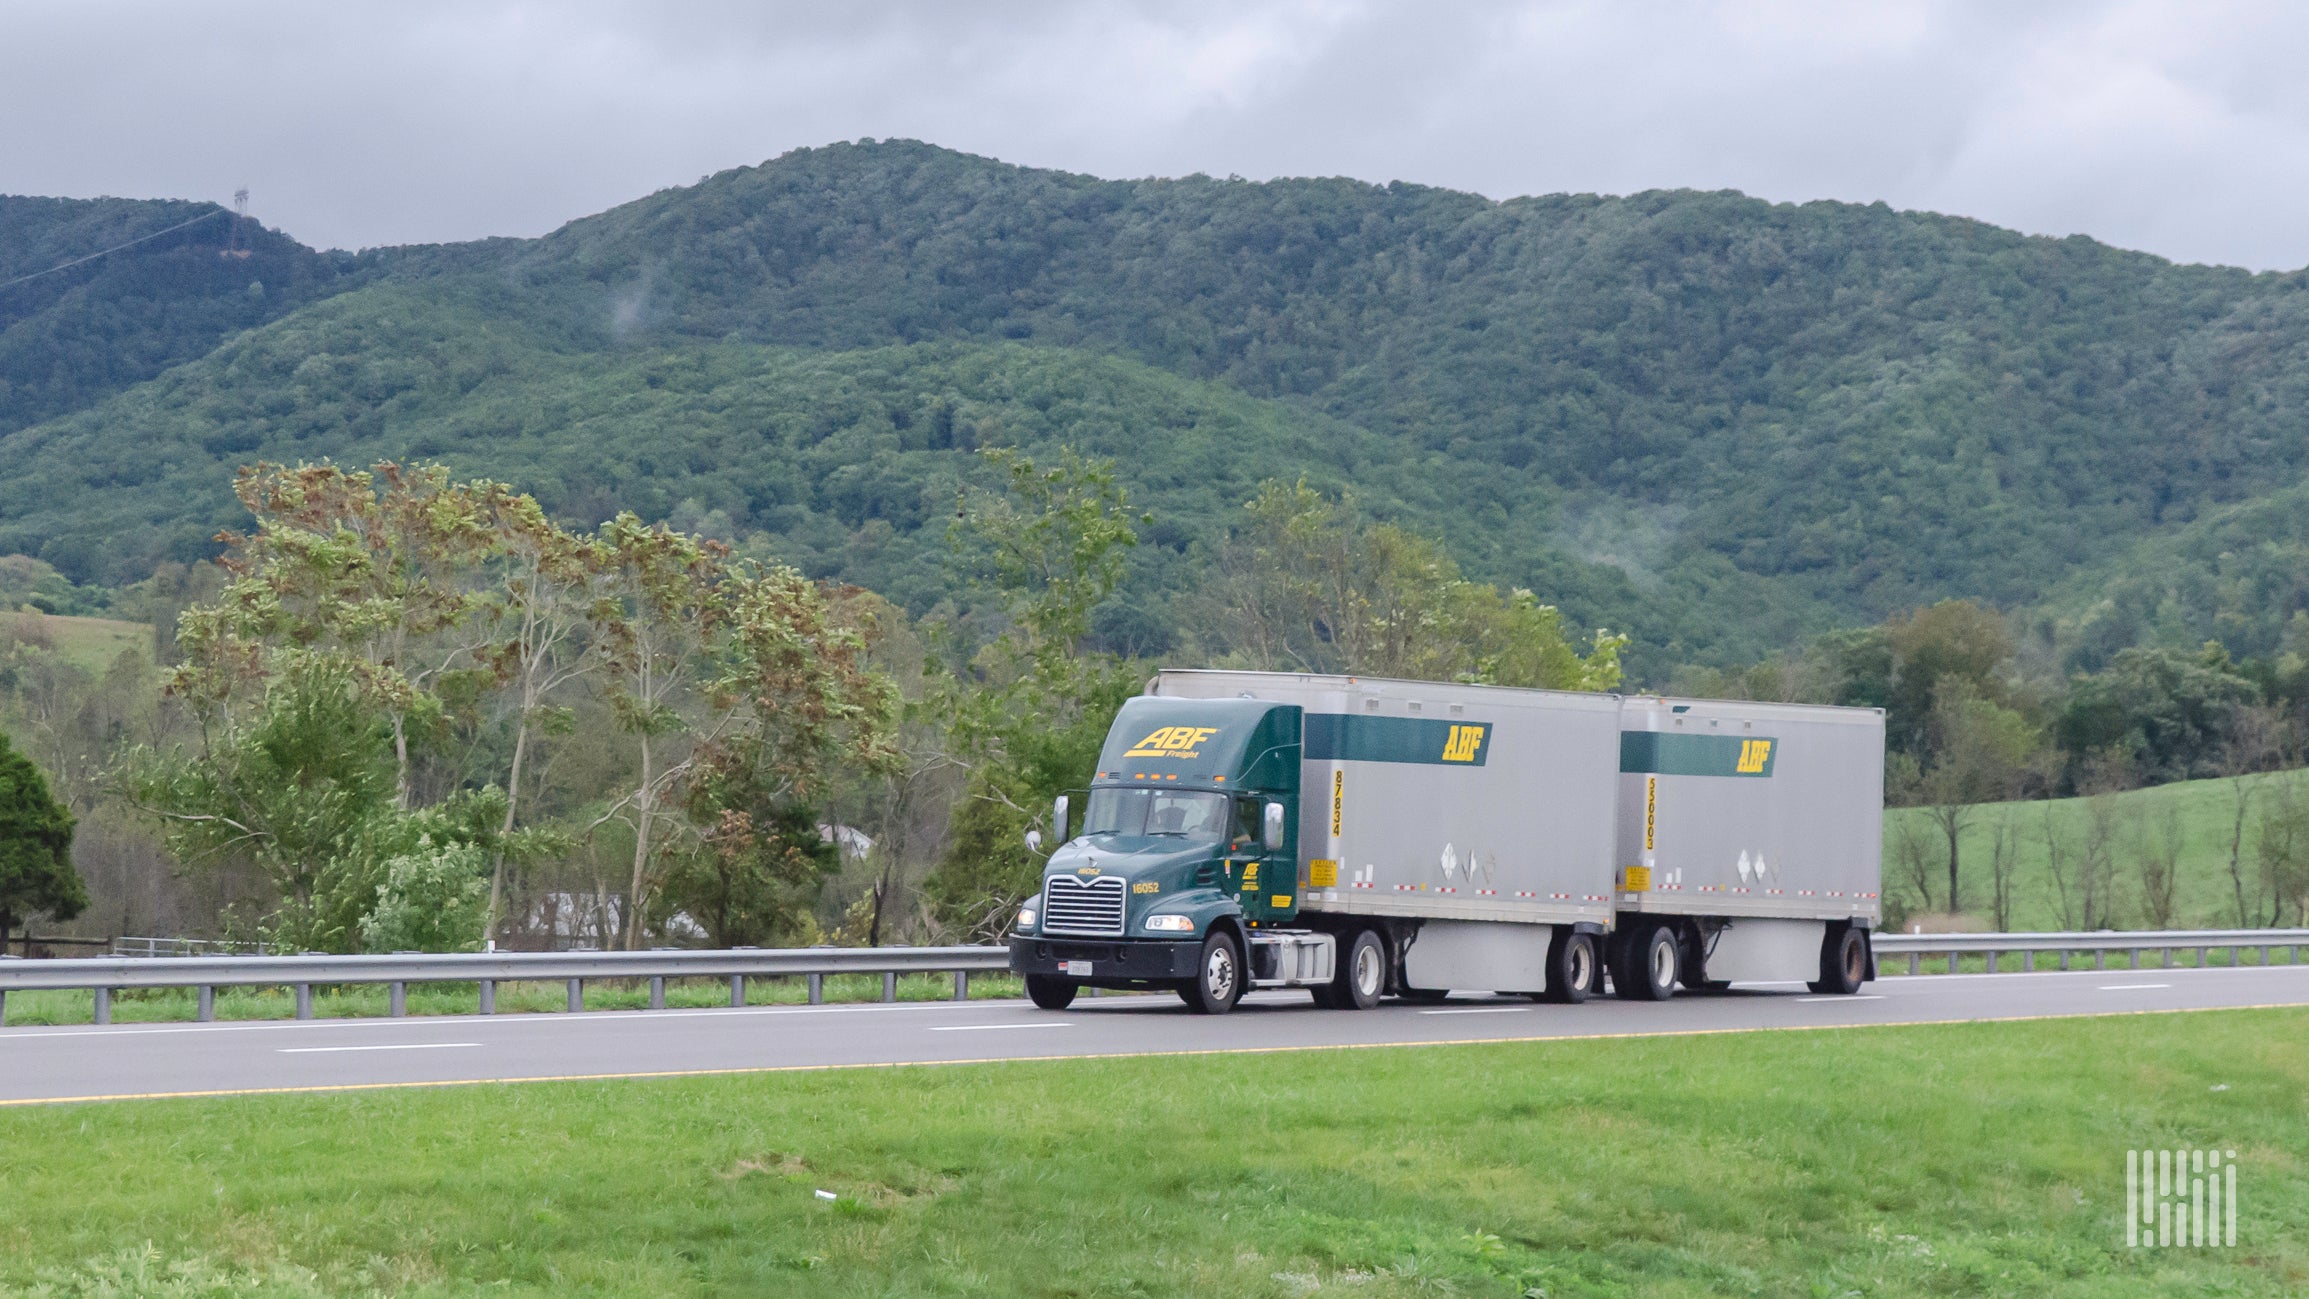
<point>846,462</point>
<point>2193,821</point>
<point>189,276</point>
<point>1719,422</point>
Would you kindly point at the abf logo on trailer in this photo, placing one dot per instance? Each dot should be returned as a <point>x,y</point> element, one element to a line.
<point>1465,743</point>
<point>1173,742</point>
<point>1755,756</point>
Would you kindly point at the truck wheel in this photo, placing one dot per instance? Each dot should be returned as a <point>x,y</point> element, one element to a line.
<point>1648,966</point>
<point>1218,984</point>
<point>1051,992</point>
<point>1574,972</point>
<point>1361,975</point>
<point>1843,962</point>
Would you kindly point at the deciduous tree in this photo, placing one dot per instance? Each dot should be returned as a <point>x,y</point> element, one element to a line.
<point>36,873</point>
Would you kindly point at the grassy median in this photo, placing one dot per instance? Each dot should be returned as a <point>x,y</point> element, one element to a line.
<point>1948,1160</point>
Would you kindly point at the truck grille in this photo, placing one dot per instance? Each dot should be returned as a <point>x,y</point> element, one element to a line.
<point>1078,906</point>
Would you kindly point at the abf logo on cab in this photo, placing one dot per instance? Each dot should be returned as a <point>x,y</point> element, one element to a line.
<point>1173,742</point>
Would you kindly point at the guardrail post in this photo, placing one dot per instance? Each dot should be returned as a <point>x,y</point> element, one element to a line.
<point>2100,958</point>
<point>576,995</point>
<point>396,999</point>
<point>489,996</point>
<point>2136,958</point>
<point>737,990</point>
<point>2202,954</point>
<point>2028,962</point>
<point>304,1001</point>
<point>1953,957</point>
<point>1916,962</point>
<point>3,1006</point>
<point>817,989</point>
<point>2064,958</point>
<point>103,1013</point>
<point>1992,962</point>
<point>962,985</point>
<point>657,993</point>
<point>889,985</point>
<point>207,1003</point>
<point>2264,956</point>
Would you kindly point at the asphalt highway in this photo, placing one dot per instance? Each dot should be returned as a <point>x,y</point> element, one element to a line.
<point>120,1062</point>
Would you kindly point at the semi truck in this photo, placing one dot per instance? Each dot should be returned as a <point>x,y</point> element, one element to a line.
<point>1366,838</point>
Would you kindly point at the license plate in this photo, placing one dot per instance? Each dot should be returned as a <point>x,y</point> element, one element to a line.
<point>1080,969</point>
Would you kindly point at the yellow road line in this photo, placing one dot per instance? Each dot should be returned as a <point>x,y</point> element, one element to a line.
<point>1100,1055</point>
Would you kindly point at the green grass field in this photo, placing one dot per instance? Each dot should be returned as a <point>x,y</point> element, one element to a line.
<point>1952,1160</point>
<point>2200,810</point>
<point>89,643</point>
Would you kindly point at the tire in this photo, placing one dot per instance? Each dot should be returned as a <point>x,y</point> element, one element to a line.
<point>1360,977</point>
<point>1051,992</point>
<point>1648,965</point>
<point>1843,962</point>
<point>1574,968</point>
<point>1218,982</point>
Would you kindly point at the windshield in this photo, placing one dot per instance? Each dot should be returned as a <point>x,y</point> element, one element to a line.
<point>1182,813</point>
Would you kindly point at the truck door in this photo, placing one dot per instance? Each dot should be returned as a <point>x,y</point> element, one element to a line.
<point>1263,881</point>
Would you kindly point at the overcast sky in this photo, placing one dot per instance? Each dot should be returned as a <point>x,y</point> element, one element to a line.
<point>2179,128</point>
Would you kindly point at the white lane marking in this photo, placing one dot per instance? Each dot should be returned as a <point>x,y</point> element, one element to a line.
<point>980,1028</point>
<point>1851,996</point>
<point>1481,1010</point>
<point>2131,987</point>
<point>389,1046</point>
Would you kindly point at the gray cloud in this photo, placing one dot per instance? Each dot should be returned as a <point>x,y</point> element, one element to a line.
<point>2178,128</point>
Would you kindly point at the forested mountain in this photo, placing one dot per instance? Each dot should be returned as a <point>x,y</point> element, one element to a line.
<point>190,275</point>
<point>1718,422</point>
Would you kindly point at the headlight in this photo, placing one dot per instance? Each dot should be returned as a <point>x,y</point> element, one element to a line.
<point>1026,917</point>
<point>1173,924</point>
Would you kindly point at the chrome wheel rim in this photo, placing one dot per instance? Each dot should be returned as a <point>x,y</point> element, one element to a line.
<point>1219,973</point>
<point>1367,971</point>
<point>1582,966</point>
<point>1663,964</point>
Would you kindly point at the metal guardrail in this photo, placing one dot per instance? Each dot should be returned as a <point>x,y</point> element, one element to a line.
<point>488,969</point>
<point>2099,943</point>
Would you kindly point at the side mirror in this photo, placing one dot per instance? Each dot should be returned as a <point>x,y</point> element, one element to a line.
<point>1058,819</point>
<point>1273,829</point>
<point>1034,841</point>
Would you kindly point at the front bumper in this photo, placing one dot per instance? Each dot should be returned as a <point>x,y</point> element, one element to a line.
<point>1120,962</point>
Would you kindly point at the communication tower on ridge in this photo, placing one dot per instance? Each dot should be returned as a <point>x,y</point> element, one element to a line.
<point>237,245</point>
